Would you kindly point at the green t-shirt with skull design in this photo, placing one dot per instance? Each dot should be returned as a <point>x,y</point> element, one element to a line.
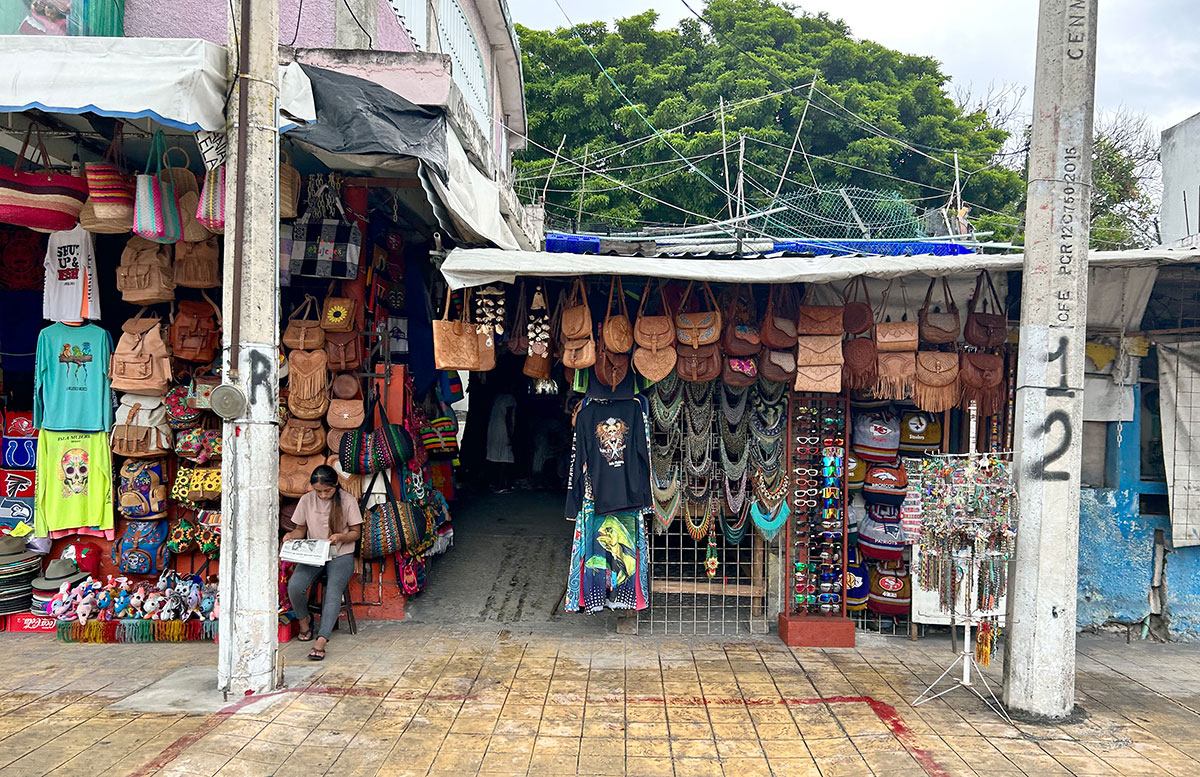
<point>74,482</point>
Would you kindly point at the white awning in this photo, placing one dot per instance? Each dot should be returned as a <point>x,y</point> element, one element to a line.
<point>471,201</point>
<point>178,82</point>
<point>478,266</point>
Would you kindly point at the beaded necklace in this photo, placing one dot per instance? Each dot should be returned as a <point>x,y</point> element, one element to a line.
<point>734,468</point>
<point>734,532</point>
<point>665,402</point>
<point>697,531</point>
<point>666,498</point>
<point>734,412</point>
<point>769,522</point>
<point>770,392</point>
<point>736,503</point>
<point>698,419</point>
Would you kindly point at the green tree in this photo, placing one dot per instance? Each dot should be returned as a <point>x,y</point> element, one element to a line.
<point>743,50</point>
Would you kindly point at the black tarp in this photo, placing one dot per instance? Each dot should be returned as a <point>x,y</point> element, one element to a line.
<point>356,116</point>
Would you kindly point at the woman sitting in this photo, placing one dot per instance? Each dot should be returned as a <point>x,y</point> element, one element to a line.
<point>324,513</point>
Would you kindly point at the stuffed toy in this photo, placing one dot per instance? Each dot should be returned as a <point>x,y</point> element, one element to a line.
<point>154,602</point>
<point>86,607</point>
<point>208,603</point>
<point>136,602</point>
<point>104,603</point>
<point>121,606</point>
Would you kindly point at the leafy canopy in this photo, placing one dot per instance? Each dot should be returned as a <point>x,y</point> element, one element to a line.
<point>747,49</point>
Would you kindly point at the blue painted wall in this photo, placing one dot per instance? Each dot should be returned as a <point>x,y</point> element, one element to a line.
<point>1116,546</point>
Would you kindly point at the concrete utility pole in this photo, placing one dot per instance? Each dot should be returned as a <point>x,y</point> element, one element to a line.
<point>250,469</point>
<point>1039,663</point>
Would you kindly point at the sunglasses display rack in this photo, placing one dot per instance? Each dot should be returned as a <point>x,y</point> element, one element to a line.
<point>815,615</point>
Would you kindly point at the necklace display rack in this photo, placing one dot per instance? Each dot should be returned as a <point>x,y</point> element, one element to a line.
<point>969,563</point>
<point>817,441</point>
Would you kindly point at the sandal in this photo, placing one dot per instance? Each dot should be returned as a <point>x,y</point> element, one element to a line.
<point>316,654</point>
<point>305,636</point>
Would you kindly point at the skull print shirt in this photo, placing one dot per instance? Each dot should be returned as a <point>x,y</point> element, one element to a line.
<point>73,483</point>
<point>612,453</point>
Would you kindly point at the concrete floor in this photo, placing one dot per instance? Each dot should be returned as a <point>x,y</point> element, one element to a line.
<point>508,567</point>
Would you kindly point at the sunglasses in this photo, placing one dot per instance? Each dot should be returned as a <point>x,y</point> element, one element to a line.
<point>808,440</point>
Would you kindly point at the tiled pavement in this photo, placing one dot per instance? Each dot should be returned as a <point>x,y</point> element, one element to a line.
<point>405,699</point>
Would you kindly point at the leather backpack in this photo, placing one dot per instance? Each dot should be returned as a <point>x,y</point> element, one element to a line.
<point>141,362</point>
<point>981,377</point>
<point>308,384</point>
<point>936,388</point>
<point>142,490</point>
<point>145,275</point>
<point>696,329</point>
<point>302,438</point>
<point>984,329</point>
<point>198,265</point>
<point>777,365</point>
<point>935,327</point>
<point>196,330</point>
<point>654,357</point>
<point>344,351</point>
<point>819,362</point>
<point>857,315</point>
<point>818,319</point>
<point>140,429</point>
<point>294,474</point>
<point>303,333</point>
<point>698,364</point>
<point>741,337</point>
<point>617,330</point>
<point>778,330</point>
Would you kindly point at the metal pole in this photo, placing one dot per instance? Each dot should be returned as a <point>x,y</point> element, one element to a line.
<point>1039,662</point>
<point>725,159</point>
<point>796,138</point>
<point>249,566</point>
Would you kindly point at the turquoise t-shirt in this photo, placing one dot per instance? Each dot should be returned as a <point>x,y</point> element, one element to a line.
<point>71,387</point>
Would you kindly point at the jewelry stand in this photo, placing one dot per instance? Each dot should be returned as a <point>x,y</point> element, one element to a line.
<point>969,620</point>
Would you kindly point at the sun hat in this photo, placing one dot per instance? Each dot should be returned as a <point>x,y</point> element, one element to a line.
<point>58,571</point>
<point>12,550</point>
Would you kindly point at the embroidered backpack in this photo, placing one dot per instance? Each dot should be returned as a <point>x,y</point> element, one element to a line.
<point>179,416</point>
<point>142,489</point>
<point>142,548</point>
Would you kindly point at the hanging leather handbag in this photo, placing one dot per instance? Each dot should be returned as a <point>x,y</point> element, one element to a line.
<point>346,414</point>
<point>338,314</point>
<point>981,376</point>
<point>579,354</point>
<point>699,328</point>
<point>294,474</point>
<point>195,332</point>
<point>308,384</point>
<point>617,330</point>
<point>518,341</point>
<point>819,362</point>
<point>861,368</point>
<point>486,336</point>
<point>698,364</point>
<point>936,388</point>
<point>455,343</point>
<point>654,357</point>
<point>984,329</point>
<point>303,333</point>
<point>778,366</point>
<point>576,315</point>
<point>345,386</point>
<point>778,330</point>
<point>936,327</point>
<point>739,371</point>
<point>894,335</point>
<point>344,351</point>
<point>741,337</point>
<point>198,265</point>
<point>897,374</point>
<point>302,438</point>
<point>857,315</point>
<point>611,368</point>
<point>818,319</point>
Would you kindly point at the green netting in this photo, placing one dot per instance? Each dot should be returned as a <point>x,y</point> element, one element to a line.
<point>847,212</point>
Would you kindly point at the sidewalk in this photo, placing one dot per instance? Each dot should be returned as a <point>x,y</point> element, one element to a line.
<point>406,699</point>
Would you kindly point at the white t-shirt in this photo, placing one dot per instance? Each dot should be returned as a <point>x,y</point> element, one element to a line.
<point>499,446</point>
<point>70,275</point>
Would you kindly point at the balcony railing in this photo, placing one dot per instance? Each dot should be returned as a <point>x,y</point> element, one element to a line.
<point>470,74</point>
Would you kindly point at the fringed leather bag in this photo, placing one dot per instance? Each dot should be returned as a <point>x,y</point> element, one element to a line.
<point>981,376</point>
<point>936,387</point>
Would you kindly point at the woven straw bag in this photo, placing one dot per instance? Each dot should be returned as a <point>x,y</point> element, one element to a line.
<point>289,188</point>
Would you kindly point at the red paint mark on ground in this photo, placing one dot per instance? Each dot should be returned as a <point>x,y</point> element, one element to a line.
<point>886,713</point>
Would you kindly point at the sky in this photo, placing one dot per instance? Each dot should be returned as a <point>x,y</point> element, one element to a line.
<point>1148,58</point>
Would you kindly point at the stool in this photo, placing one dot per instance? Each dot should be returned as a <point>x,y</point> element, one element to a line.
<point>316,596</point>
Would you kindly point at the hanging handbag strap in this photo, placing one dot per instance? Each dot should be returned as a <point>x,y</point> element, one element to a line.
<point>881,311</point>
<point>304,308</point>
<point>946,295</point>
<point>522,312</point>
<point>974,301</point>
<point>850,293</point>
<point>612,289</point>
<point>216,308</point>
<point>115,153</point>
<point>39,148</point>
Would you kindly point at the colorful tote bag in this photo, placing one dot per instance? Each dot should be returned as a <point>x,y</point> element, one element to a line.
<point>155,208</point>
<point>210,211</point>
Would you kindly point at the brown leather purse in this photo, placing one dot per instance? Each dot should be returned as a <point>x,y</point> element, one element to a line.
<point>981,377</point>
<point>861,367</point>
<point>344,350</point>
<point>819,319</point>
<point>346,414</point>
<point>819,378</point>
<point>897,374</point>
<point>984,329</point>
<point>579,354</point>
<point>778,331</point>
<point>935,327</point>
<point>857,315</point>
<point>339,314</point>
<point>617,330</point>
<point>654,357</point>
<point>576,315</point>
<point>777,365</point>
<point>936,388</point>
<point>739,371</point>
<point>303,333</point>
<point>819,362</point>
<point>455,343</point>
<point>302,438</point>
<point>698,364</point>
<point>894,335</point>
<point>294,472</point>
<point>611,368</point>
<point>741,336</point>
<point>700,328</point>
